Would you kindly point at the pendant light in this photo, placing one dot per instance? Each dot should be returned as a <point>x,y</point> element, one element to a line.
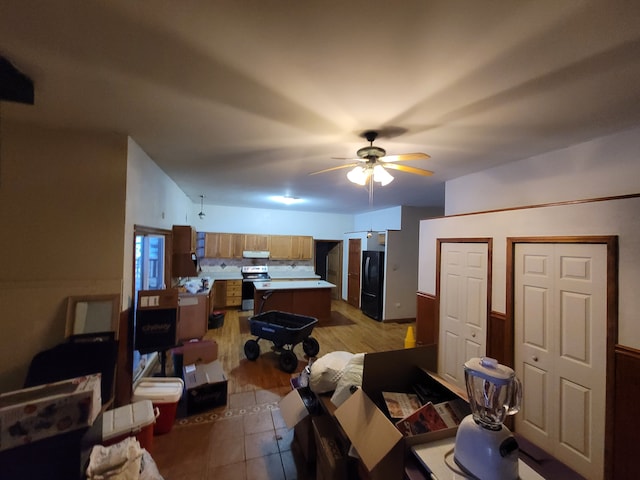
<point>201,214</point>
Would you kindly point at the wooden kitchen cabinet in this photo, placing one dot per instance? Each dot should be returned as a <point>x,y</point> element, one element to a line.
<point>234,293</point>
<point>280,247</point>
<point>256,242</point>
<point>223,245</point>
<point>301,247</point>
<point>226,293</point>
<point>218,295</point>
<point>184,239</point>
<point>193,317</point>
<point>291,247</point>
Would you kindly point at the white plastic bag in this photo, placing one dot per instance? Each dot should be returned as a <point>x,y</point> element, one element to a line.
<point>148,468</point>
<point>120,461</point>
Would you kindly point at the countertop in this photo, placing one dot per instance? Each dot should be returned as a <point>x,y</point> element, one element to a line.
<point>292,285</point>
<point>291,275</point>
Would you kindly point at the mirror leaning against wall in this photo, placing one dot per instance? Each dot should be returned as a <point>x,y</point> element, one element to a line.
<point>90,314</point>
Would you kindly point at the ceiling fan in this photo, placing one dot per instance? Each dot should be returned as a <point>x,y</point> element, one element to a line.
<point>373,161</point>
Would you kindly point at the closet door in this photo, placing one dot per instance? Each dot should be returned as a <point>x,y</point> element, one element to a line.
<point>560,350</point>
<point>463,307</point>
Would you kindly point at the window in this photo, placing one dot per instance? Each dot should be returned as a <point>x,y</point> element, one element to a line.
<point>149,262</point>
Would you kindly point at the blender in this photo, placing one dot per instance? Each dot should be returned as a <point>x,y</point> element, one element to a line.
<point>484,447</point>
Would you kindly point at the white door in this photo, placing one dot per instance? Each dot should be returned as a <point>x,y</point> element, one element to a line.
<point>463,307</point>
<point>560,350</point>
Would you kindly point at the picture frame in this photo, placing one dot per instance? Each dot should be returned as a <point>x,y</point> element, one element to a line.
<point>91,314</point>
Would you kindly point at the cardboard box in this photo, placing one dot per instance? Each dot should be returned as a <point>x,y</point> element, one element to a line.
<point>332,462</point>
<point>363,417</point>
<point>193,352</point>
<point>206,386</point>
<point>61,457</point>
<point>297,409</point>
<point>44,411</point>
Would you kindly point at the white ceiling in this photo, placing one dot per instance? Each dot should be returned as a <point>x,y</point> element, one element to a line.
<point>241,99</point>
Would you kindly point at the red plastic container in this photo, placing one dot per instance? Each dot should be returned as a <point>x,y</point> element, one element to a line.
<point>136,419</point>
<point>164,393</point>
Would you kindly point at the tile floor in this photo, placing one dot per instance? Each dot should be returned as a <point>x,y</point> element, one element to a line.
<point>245,440</point>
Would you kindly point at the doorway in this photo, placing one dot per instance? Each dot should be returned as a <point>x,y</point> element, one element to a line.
<point>328,264</point>
<point>151,271</point>
<point>463,290</point>
<point>561,306</point>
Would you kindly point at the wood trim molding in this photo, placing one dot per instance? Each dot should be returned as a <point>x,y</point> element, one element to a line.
<point>626,423</point>
<point>124,369</point>
<point>545,205</point>
<point>499,343</point>
<point>426,319</point>
<point>611,387</point>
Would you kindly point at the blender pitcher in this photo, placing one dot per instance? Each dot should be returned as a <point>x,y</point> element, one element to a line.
<point>484,447</point>
<point>494,391</point>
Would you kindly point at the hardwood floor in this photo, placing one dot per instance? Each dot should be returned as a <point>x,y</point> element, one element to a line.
<point>247,438</point>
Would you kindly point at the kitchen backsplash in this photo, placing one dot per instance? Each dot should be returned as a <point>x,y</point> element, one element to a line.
<point>231,264</point>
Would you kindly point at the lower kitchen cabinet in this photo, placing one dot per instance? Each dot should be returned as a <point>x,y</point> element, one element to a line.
<point>226,293</point>
<point>193,316</point>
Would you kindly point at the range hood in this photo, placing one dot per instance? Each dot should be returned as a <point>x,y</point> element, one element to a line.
<point>255,254</point>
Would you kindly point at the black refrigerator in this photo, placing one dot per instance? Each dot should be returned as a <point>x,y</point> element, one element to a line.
<point>372,283</point>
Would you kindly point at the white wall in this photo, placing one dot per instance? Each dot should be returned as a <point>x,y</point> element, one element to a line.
<point>321,226</point>
<point>603,167</point>
<point>153,200</point>
<point>613,217</point>
<point>598,168</point>
<point>401,274</point>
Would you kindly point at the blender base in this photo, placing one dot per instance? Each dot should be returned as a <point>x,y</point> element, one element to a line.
<point>477,451</point>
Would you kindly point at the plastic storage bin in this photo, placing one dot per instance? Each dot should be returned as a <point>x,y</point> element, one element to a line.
<point>164,393</point>
<point>136,419</point>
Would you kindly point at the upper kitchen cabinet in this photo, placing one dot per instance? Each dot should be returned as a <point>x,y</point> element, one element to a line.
<point>291,247</point>
<point>184,260</point>
<point>280,247</point>
<point>223,245</point>
<point>301,247</point>
<point>184,239</point>
<point>256,242</point>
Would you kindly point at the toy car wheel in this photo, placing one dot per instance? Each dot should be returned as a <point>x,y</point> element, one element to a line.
<point>288,361</point>
<point>251,349</point>
<point>310,346</point>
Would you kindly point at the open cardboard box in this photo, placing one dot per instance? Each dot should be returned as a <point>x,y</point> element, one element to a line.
<point>380,445</point>
<point>363,417</point>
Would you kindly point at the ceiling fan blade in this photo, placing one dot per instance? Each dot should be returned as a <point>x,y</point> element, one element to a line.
<point>404,168</point>
<point>350,158</point>
<point>404,157</point>
<point>334,168</point>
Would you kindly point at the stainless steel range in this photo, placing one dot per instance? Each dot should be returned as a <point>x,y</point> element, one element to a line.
<point>250,274</point>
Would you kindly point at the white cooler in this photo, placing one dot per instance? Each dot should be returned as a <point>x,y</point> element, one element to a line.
<point>133,420</point>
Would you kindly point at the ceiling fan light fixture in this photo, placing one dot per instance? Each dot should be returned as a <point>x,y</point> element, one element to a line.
<point>359,175</point>
<point>381,175</point>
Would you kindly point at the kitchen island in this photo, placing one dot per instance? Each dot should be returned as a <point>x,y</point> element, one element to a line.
<point>303,297</point>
